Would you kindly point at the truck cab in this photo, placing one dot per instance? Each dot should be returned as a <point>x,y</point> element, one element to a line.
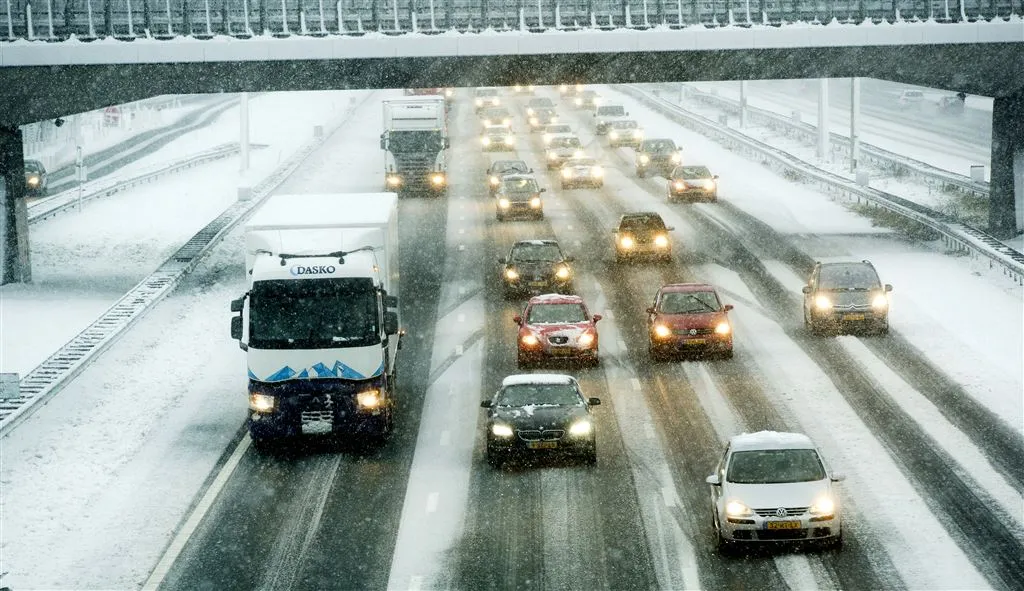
<point>415,143</point>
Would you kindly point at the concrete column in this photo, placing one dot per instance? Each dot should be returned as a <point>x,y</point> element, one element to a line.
<point>743,104</point>
<point>16,266</point>
<point>823,150</point>
<point>1006,189</point>
<point>854,123</point>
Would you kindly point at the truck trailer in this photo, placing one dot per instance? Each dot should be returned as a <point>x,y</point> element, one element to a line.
<point>415,143</point>
<point>320,322</point>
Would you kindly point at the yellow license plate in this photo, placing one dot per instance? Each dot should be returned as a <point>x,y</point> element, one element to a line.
<point>561,351</point>
<point>542,444</point>
<point>853,317</point>
<point>696,341</point>
<point>783,525</point>
<point>537,284</point>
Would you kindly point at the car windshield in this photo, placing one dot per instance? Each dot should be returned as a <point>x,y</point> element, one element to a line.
<point>649,223</point>
<point>536,252</point>
<point>556,314</point>
<point>33,166</point>
<point>624,124</point>
<point>611,111</point>
<point>689,302</point>
<point>558,129</point>
<point>581,162</point>
<point>566,142</point>
<point>775,466</point>
<point>520,185</point>
<point>541,102</point>
<point>691,172</point>
<point>496,113</point>
<point>854,276</point>
<point>659,146</point>
<point>486,92</point>
<point>503,166</point>
<point>539,395</point>
<point>497,130</point>
<point>313,314</point>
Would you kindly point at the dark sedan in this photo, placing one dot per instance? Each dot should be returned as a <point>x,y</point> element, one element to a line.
<point>518,195</point>
<point>692,183</point>
<point>501,168</point>
<point>535,267</point>
<point>540,413</point>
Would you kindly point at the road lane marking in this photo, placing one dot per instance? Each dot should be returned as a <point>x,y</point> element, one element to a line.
<point>432,499</point>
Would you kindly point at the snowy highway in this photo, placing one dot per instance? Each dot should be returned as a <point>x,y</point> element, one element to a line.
<point>926,422</point>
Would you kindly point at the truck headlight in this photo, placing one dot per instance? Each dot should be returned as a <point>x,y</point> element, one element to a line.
<point>597,172</point>
<point>880,302</point>
<point>661,241</point>
<point>626,242</point>
<point>262,402</point>
<point>511,274</point>
<point>501,430</point>
<point>563,273</point>
<point>530,340</point>
<point>737,509</point>
<point>613,135</point>
<point>437,179</point>
<point>503,203</point>
<point>368,400</point>
<point>534,121</point>
<point>449,93</point>
<point>823,303</point>
<point>723,328</point>
<point>644,158</point>
<point>394,180</point>
<point>661,331</point>
<point>580,428</point>
<point>564,88</point>
<point>566,173</point>
<point>535,202</point>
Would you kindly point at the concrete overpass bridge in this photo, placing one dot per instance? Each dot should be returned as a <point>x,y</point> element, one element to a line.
<point>64,56</point>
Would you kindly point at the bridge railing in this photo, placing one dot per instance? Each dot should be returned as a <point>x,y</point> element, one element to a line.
<point>129,19</point>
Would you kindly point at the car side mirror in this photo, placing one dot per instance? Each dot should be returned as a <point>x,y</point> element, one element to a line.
<point>390,323</point>
<point>517,319</point>
<point>594,401</point>
<point>650,310</point>
<point>597,317</point>
<point>727,307</point>
<point>838,476</point>
<point>531,171</point>
<point>714,176</point>
<point>713,480</point>
<point>543,190</point>
<point>237,305</point>
<point>670,228</point>
<point>806,289</point>
<point>570,259</point>
<point>501,260</point>
<point>486,404</point>
<point>888,287</point>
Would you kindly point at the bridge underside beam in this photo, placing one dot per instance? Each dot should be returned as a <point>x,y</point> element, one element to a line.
<point>36,93</point>
<point>1006,189</point>
<point>14,226</point>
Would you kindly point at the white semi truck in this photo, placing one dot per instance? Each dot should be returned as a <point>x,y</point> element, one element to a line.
<point>415,143</point>
<point>320,322</point>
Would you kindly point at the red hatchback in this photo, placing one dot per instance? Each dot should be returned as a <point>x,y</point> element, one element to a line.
<point>556,326</point>
<point>689,317</point>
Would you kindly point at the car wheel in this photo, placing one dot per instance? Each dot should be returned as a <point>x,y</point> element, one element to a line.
<point>564,186</point>
<point>590,459</point>
<point>883,330</point>
<point>522,363</point>
<point>500,217</point>
<point>594,361</point>
<point>655,353</point>
<point>262,445</point>
<point>727,354</point>
<point>600,185</point>
<point>714,198</point>
<point>495,459</point>
<point>641,173</point>
<point>540,216</point>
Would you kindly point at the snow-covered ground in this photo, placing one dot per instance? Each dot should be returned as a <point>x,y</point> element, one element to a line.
<point>94,484</point>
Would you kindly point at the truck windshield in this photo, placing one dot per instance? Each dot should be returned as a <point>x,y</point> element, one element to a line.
<point>414,141</point>
<point>313,314</point>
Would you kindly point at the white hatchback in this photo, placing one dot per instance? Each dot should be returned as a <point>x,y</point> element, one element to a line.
<point>772,486</point>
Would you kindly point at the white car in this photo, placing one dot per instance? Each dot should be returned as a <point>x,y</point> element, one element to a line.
<point>772,486</point>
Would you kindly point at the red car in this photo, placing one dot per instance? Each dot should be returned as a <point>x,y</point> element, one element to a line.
<point>689,317</point>
<point>557,326</point>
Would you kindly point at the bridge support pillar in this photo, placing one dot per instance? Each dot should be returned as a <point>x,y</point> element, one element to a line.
<point>1006,189</point>
<point>823,135</point>
<point>16,267</point>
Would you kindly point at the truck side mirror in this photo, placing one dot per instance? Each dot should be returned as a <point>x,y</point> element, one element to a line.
<point>390,323</point>
<point>383,143</point>
<point>236,332</point>
<point>236,305</point>
<point>390,301</point>
<point>806,289</point>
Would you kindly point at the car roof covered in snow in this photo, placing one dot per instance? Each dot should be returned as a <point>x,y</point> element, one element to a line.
<point>538,378</point>
<point>770,440</point>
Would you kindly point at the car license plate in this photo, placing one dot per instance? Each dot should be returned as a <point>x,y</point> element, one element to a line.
<point>538,283</point>
<point>695,341</point>
<point>853,317</point>
<point>782,525</point>
<point>561,351</point>
<point>542,444</point>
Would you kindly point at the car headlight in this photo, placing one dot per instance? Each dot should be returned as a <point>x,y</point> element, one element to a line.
<point>509,140</point>
<point>535,202</point>
<point>394,180</point>
<point>262,402</point>
<point>579,102</point>
<point>661,331</point>
<point>723,328</point>
<point>823,506</point>
<point>437,179</point>
<point>32,181</point>
<point>563,272</point>
<point>880,302</point>
<point>500,430</point>
<point>586,339</point>
<point>511,274</point>
<point>368,400</point>
<point>485,141</point>
<point>737,509</point>
<point>676,158</point>
<point>578,154</point>
<point>479,102</point>
<point>552,156</point>
<point>567,173</point>
<point>708,184</point>
<point>495,101</point>
<point>597,171</point>
<point>530,340</point>
<point>553,120</point>
<point>638,134</point>
<point>529,111</point>
<point>679,185</point>
<point>563,88</point>
<point>534,121</point>
<point>644,158</point>
<point>580,428</point>
<point>503,203</point>
<point>449,93</point>
<point>506,122</point>
<point>613,135</point>
<point>661,241</point>
<point>626,242</point>
<point>495,180</point>
<point>823,303</point>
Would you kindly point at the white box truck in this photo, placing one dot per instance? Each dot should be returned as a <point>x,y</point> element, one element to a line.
<point>415,143</point>
<point>319,322</point>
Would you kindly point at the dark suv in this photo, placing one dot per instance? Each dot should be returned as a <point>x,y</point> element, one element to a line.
<point>846,296</point>
<point>535,267</point>
<point>35,178</point>
<point>658,156</point>
<point>642,233</point>
<point>518,195</point>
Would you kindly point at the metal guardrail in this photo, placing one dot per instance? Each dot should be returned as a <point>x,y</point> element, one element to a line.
<point>122,19</point>
<point>955,234</point>
<point>897,164</point>
<point>46,380</point>
<point>69,199</point>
